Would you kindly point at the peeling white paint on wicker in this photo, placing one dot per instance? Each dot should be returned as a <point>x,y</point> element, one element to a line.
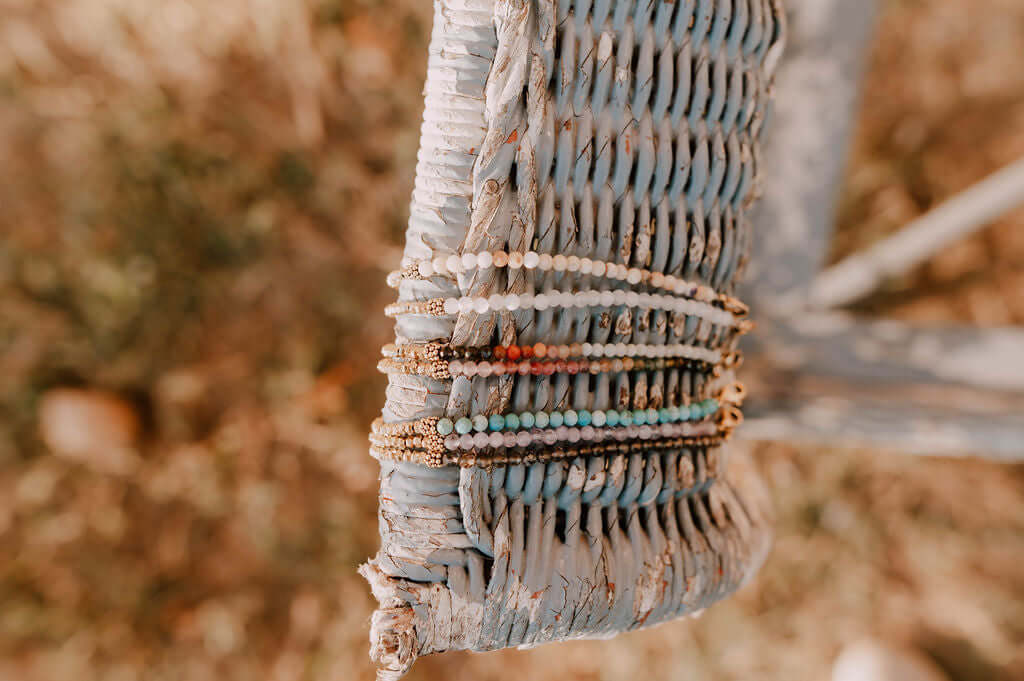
<point>628,160</point>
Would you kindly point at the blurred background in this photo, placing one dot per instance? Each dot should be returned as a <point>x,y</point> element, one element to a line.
<point>198,205</point>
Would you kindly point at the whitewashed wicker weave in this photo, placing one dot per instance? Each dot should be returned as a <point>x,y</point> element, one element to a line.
<point>616,130</point>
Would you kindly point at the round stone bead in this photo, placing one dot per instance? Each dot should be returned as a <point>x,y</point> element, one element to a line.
<point>625,417</point>
<point>611,418</point>
<point>512,421</point>
<point>653,416</point>
<point>598,419</point>
<point>496,422</point>
<point>583,418</point>
<point>466,441</point>
<point>673,414</point>
<point>663,415</point>
<point>640,417</point>
<point>541,419</point>
<point>684,413</point>
<point>570,418</point>
<point>480,423</point>
<point>481,439</point>
<point>445,426</point>
<point>527,420</point>
<point>696,412</point>
<point>463,425</point>
<point>556,419</point>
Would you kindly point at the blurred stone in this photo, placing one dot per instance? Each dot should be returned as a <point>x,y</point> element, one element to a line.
<point>873,661</point>
<point>91,427</point>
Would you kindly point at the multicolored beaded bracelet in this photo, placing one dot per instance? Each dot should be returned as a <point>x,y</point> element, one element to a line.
<point>443,351</point>
<point>444,370</point>
<point>706,447</point>
<point>475,457</point>
<point>511,302</point>
<point>429,440</point>
<point>455,264</point>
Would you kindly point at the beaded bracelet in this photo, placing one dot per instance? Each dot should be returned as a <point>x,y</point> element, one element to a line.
<point>455,264</point>
<point>440,307</point>
<point>443,351</point>
<point>546,454</point>
<point>476,457</point>
<point>442,370</point>
<point>708,447</point>
<point>429,440</point>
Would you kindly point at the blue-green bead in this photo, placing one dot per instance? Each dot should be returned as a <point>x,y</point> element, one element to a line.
<point>480,423</point>
<point>496,422</point>
<point>445,426</point>
<point>652,416</point>
<point>663,416</point>
<point>640,417</point>
<point>512,422</point>
<point>556,419</point>
<point>713,405</point>
<point>684,413</point>
<point>463,425</point>
<point>542,419</point>
<point>570,417</point>
<point>611,417</point>
<point>526,419</point>
<point>673,414</point>
<point>583,418</point>
<point>696,412</point>
<point>599,418</point>
<point>625,417</point>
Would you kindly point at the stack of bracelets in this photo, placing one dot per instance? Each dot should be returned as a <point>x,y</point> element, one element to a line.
<point>531,436</point>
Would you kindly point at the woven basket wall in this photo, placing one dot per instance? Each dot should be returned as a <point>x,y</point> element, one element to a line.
<point>619,131</point>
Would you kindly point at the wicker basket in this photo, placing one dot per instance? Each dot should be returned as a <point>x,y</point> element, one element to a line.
<point>623,137</point>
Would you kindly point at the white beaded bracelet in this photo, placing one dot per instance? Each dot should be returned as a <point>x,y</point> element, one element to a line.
<point>566,299</point>
<point>458,264</point>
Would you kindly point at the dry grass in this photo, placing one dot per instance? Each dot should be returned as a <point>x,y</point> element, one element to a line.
<point>200,201</point>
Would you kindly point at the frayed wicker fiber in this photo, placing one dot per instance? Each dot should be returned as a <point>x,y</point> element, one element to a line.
<point>564,139</point>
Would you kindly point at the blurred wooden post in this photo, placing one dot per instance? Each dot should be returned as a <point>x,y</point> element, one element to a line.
<point>817,88</point>
<point>832,379</point>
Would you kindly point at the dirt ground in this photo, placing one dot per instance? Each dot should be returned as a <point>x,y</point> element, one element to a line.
<point>198,205</point>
